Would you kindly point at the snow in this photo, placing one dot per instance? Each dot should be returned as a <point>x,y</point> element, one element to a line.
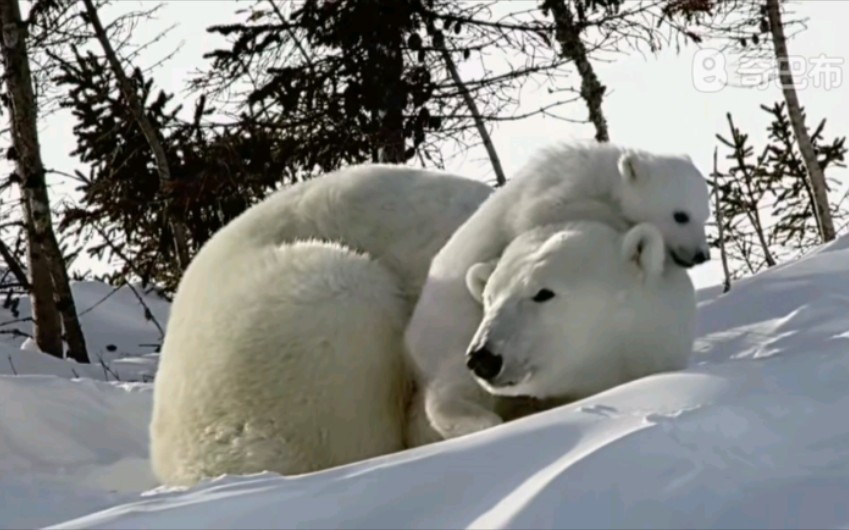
<point>752,435</point>
<point>120,338</point>
<point>68,447</point>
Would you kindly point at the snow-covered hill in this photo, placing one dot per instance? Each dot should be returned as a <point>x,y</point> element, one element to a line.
<point>753,435</point>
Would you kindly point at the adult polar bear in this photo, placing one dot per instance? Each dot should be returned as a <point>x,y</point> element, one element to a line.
<point>324,383</point>
<point>567,314</point>
<point>603,182</point>
<point>256,311</point>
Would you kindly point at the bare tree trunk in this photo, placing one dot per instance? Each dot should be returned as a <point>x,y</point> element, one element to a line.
<point>46,320</point>
<point>797,120</point>
<point>74,336</point>
<point>568,34</point>
<point>726,284</point>
<point>52,301</point>
<point>178,227</point>
<point>500,179</point>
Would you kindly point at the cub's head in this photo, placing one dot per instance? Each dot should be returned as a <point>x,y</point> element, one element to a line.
<point>553,301</point>
<point>669,192</point>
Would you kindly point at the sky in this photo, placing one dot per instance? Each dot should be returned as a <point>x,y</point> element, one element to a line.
<point>674,101</point>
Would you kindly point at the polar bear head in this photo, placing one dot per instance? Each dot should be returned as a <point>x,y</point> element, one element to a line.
<point>671,193</point>
<point>573,309</point>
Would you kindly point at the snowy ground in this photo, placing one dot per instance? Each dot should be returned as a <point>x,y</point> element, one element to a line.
<point>753,435</point>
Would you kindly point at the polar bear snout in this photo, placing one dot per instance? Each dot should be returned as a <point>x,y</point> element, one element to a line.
<point>483,363</point>
<point>688,258</point>
<point>497,374</point>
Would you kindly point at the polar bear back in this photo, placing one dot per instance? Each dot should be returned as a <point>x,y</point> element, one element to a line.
<point>398,215</point>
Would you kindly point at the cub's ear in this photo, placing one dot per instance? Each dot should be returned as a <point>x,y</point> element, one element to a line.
<point>629,167</point>
<point>477,276</point>
<point>643,244</point>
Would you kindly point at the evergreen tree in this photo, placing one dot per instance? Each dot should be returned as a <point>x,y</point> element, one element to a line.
<point>765,201</point>
<point>216,172</point>
<point>368,80</point>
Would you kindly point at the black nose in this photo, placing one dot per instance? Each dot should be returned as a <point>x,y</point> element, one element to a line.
<point>484,364</point>
<point>701,257</point>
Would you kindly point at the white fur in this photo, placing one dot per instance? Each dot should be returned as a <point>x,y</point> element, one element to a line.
<point>644,244</point>
<point>398,215</point>
<point>283,384</point>
<point>276,349</point>
<point>582,181</point>
<point>620,312</point>
<point>617,313</point>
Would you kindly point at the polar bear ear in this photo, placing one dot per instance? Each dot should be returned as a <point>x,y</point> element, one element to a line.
<point>477,276</point>
<point>643,244</point>
<point>628,166</point>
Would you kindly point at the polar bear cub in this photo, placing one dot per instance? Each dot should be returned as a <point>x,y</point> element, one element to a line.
<point>569,310</point>
<point>307,375</point>
<point>590,181</point>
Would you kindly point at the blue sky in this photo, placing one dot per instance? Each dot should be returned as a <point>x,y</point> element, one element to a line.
<point>655,102</point>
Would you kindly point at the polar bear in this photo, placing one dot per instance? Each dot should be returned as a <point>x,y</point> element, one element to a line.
<point>569,310</point>
<point>263,284</point>
<point>307,374</point>
<point>592,181</point>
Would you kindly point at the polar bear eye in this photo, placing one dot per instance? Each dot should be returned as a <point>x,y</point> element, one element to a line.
<point>681,218</point>
<point>543,295</point>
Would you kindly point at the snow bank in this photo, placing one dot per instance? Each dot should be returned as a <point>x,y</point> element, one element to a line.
<point>68,447</point>
<point>122,328</point>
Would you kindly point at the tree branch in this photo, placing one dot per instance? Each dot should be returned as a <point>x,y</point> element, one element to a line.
<point>178,228</point>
